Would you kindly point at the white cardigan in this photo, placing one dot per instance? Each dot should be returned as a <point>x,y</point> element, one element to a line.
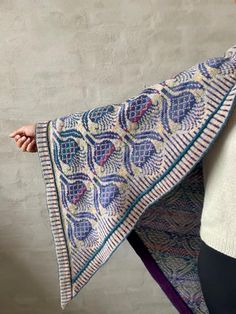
<point>218,221</point>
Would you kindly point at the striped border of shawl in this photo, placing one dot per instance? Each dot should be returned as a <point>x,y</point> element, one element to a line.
<point>63,262</point>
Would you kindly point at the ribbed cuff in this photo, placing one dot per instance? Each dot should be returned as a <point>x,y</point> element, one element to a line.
<point>44,141</point>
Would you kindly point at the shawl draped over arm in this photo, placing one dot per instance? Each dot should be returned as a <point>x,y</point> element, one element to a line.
<point>133,171</point>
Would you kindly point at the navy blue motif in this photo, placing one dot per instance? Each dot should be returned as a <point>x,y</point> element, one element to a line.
<point>121,117</point>
<point>186,86</point>
<point>150,91</point>
<point>181,105</point>
<point>138,107</point>
<point>216,62</point>
<point>203,69</point>
<point>140,111</point>
<point>103,151</point>
<point>142,152</point>
<point>164,116</point>
<point>71,154</point>
<point>127,161</point>
<point>107,156</point>
<point>96,115</point>
<point>113,178</point>
<point>68,150</point>
<point>149,134</point>
<point>108,194</point>
<point>103,117</point>
<point>75,191</point>
<point>142,155</point>
<point>80,228</point>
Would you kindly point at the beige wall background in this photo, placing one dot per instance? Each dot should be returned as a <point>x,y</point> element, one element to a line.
<point>59,57</point>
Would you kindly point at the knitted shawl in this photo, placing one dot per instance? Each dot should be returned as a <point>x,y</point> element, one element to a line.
<point>133,171</point>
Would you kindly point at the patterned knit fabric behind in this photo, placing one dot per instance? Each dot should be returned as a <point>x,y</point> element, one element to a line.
<point>163,228</point>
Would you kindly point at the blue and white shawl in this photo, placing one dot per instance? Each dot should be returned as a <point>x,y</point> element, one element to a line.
<point>133,171</point>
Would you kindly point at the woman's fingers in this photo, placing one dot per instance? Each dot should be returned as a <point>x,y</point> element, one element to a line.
<point>25,144</point>
<point>17,137</point>
<point>20,141</point>
<point>32,147</point>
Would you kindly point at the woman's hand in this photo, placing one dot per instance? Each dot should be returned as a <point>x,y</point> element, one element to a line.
<point>25,138</point>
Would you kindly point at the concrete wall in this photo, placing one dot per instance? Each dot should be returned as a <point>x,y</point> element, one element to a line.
<point>59,57</point>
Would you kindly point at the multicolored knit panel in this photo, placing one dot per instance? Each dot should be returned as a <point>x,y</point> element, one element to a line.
<point>100,156</point>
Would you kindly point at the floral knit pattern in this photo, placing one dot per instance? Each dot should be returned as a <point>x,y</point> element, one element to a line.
<point>104,168</point>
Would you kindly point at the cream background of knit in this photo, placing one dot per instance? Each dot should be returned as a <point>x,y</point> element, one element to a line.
<point>218,221</point>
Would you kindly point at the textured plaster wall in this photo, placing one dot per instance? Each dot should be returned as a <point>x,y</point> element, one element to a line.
<point>59,57</point>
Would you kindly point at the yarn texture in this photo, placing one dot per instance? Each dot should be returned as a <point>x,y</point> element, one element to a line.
<point>133,171</point>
